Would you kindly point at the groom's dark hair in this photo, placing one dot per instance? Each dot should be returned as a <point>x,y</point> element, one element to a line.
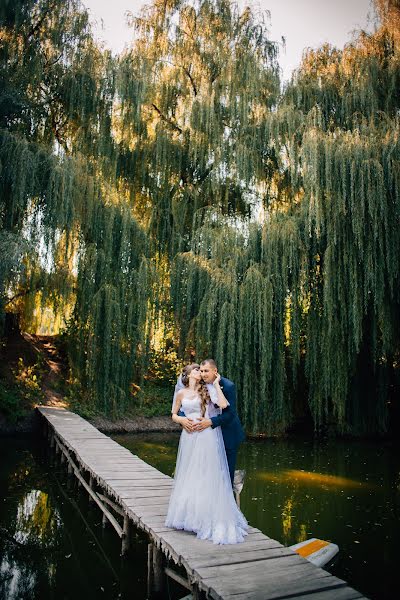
<point>209,361</point>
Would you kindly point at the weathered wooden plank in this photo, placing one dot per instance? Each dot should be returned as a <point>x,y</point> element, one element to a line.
<point>141,515</point>
<point>122,462</point>
<point>344,593</point>
<point>181,542</point>
<point>123,475</point>
<point>139,485</point>
<point>135,470</point>
<point>157,529</point>
<point>151,511</point>
<point>261,586</point>
<point>279,559</point>
<point>156,520</point>
<point>147,501</point>
<point>247,556</point>
<point>145,494</point>
<point>204,547</point>
<point>135,481</point>
<point>232,550</point>
<point>181,538</point>
<point>129,484</point>
<point>108,462</point>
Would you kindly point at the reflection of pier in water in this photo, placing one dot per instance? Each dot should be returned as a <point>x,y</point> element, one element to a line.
<point>131,493</point>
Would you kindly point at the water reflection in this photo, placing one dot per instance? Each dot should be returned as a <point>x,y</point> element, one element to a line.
<point>16,582</point>
<point>52,543</point>
<point>321,480</point>
<point>37,520</point>
<point>35,529</point>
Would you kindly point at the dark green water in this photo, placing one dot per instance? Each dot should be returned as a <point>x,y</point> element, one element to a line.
<point>347,492</point>
<point>52,544</point>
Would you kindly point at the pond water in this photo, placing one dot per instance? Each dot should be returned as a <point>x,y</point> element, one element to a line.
<point>347,492</point>
<point>52,544</point>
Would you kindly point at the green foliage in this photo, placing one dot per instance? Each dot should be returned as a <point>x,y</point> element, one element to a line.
<point>153,400</point>
<point>163,367</point>
<point>27,379</point>
<point>12,405</point>
<point>18,397</point>
<point>317,284</point>
<point>195,89</point>
<point>64,229</point>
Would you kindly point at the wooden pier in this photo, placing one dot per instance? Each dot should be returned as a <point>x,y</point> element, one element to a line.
<point>133,494</point>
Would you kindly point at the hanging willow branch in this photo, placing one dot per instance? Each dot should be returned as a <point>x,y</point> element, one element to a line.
<point>313,291</point>
<point>273,215</point>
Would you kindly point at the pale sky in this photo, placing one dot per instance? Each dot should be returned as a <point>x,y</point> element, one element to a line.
<point>303,23</point>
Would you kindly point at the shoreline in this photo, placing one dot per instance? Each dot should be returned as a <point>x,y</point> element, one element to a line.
<point>137,425</point>
<point>161,424</point>
<point>29,424</point>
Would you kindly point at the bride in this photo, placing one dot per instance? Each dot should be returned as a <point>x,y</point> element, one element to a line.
<point>202,499</point>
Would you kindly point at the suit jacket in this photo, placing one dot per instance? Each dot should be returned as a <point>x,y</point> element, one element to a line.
<point>228,420</point>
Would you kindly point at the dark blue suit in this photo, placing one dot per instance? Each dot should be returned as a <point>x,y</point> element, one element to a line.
<point>228,420</point>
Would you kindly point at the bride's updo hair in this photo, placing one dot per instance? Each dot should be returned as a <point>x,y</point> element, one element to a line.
<point>202,388</point>
<point>186,372</point>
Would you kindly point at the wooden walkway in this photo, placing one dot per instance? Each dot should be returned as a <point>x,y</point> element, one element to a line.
<point>130,492</point>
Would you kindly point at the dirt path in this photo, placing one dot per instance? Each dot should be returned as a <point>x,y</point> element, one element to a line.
<point>30,348</point>
<point>44,345</point>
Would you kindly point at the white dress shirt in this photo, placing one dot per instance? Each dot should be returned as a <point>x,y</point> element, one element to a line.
<point>213,410</point>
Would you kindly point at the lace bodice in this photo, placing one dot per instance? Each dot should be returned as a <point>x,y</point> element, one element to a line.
<point>192,406</point>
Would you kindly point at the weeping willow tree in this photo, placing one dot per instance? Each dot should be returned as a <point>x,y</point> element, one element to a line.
<point>305,304</point>
<point>69,238</point>
<point>194,91</point>
<point>176,187</point>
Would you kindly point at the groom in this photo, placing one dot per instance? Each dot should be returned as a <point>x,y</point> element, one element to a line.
<point>228,420</point>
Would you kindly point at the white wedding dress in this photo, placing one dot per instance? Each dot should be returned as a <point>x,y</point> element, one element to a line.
<point>202,499</point>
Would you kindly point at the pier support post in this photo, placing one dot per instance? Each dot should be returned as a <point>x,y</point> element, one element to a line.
<point>158,571</point>
<point>196,593</point>
<point>155,572</point>
<point>126,535</point>
<point>91,485</point>
<point>51,444</point>
<point>149,569</point>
